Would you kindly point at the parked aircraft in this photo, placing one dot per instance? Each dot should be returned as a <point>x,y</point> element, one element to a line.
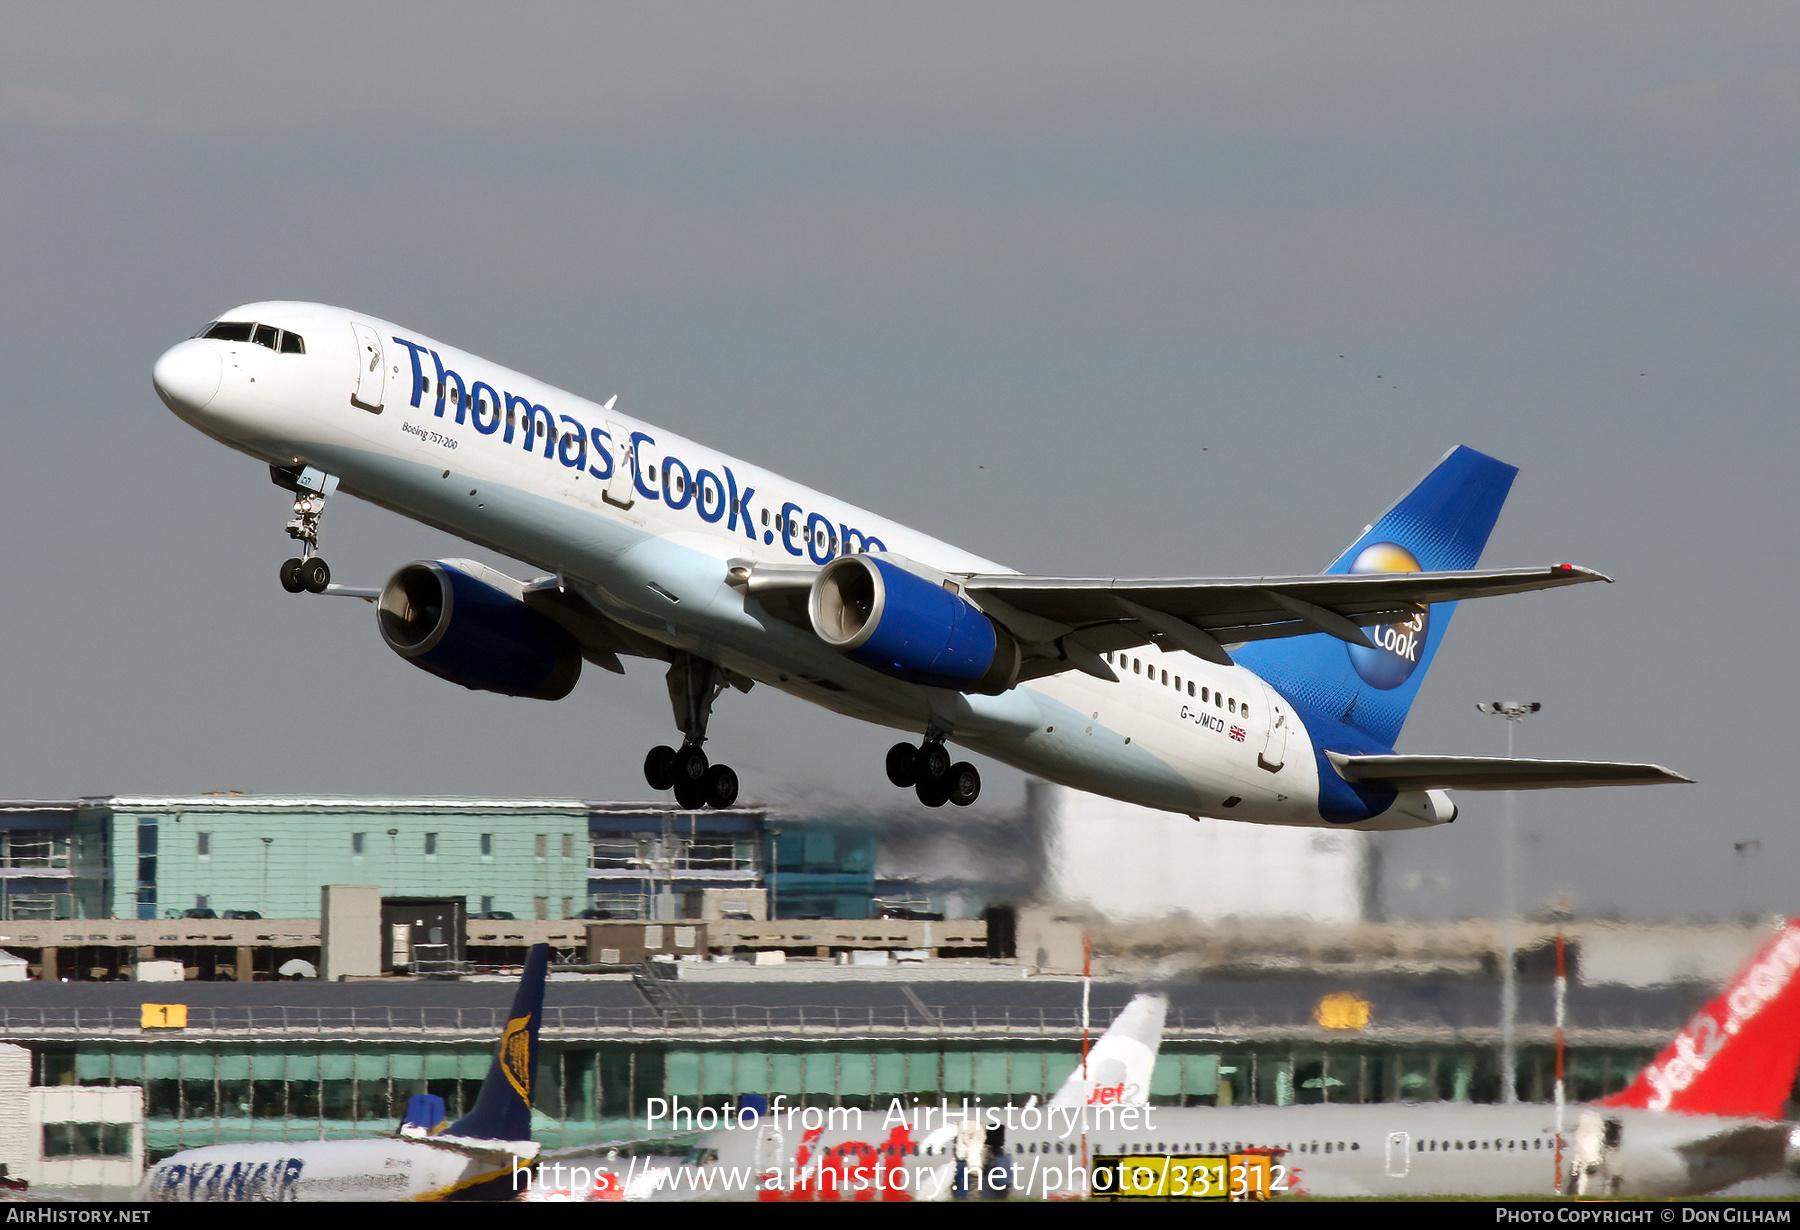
<point>482,1156</point>
<point>1703,1116</point>
<point>775,1151</point>
<point>1275,699</point>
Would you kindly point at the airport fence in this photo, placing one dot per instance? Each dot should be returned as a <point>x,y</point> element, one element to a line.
<point>382,1023</point>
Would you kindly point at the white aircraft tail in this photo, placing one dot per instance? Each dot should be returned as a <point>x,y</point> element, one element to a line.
<point>1120,1064</point>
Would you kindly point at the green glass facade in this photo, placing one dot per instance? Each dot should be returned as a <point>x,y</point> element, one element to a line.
<point>590,1093</point>
<point>270,858</point>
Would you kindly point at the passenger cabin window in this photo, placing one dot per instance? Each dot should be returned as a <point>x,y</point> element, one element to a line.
<point>1190,687</point>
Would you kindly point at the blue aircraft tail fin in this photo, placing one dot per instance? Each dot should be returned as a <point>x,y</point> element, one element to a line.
<point>1442,524</point>
<point>503,1107</point>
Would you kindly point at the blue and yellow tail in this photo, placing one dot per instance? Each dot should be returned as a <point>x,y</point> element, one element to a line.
<point>503,1107</point>
<point>1442,524</point>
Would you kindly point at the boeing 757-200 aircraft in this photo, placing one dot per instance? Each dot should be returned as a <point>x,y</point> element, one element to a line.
<point>1273,699</point>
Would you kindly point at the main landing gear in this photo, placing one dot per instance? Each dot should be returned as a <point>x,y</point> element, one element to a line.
<point>309,572</point>
<point>694,684</point>
<point>928,770</point>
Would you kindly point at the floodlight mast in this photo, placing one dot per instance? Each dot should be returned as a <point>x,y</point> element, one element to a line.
<point>1514,712</point>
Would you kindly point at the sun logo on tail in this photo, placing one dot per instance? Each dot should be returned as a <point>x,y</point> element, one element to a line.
<point>1398,646</point>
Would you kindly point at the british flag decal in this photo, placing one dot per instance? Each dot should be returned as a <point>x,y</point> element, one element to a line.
<point>1237,732</point>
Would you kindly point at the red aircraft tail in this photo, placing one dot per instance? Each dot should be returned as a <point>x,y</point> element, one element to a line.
<point>1738,1055</point>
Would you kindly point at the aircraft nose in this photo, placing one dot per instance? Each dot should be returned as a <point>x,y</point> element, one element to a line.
<point>187,376</point>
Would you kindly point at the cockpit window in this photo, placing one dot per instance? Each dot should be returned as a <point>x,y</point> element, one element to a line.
<point>263,335</point>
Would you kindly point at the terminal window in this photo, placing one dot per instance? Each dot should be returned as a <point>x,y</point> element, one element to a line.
<point>87,1140</point>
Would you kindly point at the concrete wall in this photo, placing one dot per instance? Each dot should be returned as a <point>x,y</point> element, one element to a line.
<point>349,931</point>
<point>1127,862</point>
<point>1646,956</point>
<point>87,1104</point>
<point>26,1110</point>
<point>18,1146</point>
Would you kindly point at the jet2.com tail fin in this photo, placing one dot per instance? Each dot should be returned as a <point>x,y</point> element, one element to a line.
<point>1121,1063</point>
<point>1442,524</point>
<point>1737,1056</point>
<point>503,1107</point>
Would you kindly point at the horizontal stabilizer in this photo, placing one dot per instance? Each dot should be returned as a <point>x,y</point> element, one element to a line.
<point>1496,772</point>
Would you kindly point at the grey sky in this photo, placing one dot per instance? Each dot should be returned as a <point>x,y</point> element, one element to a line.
<point>1097,289</point>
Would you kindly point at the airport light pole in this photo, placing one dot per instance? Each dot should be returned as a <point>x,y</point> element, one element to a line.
<point>1514,712</point>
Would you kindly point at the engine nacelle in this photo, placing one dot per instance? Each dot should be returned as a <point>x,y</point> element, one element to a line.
<point>897,622</point>
<point>457,620</point>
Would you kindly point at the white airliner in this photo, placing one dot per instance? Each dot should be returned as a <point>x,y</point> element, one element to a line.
<point>772,1151</point>
<point>485,1155</point>
<point>1273,699</point>
<point>1705,1114</point>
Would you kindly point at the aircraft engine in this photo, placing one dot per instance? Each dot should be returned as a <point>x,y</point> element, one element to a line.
<point>463,628</point>
<point>901,624</point>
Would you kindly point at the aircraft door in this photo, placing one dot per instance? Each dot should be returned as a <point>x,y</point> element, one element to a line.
<point>371,369</point>
<point>1399,1155</point>
<point>621,490</point>
<point>1274,752</point>
<point>1597,1140</point>
<point>770,1147</point>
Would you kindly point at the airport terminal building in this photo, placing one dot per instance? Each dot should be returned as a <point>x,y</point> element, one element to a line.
<point>788,982</point>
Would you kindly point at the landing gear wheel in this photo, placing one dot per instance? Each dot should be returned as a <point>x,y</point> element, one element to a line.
<point>903,764</point>
<point>290,576</point>
<point>690,796</point>
<point>933,760</point>
<point>315,575</point>
<point>964,783</point>
<point>721,784</point>
<point>933,791</point>
<point>659,767</point>
<point>690,765</point>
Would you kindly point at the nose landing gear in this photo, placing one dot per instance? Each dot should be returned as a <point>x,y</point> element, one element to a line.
<point>927,769</point>
<point>309,572</point>
<point>693,686</point>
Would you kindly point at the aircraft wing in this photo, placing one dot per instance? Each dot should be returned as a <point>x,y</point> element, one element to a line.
<point>1496,772</point>
<point>1202,615</point>
<point>1066,623</point>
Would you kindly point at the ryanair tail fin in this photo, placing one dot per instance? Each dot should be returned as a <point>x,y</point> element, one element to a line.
<point>503,1107</point>
<point>1442,524</point>
<point>1737,1056</point>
